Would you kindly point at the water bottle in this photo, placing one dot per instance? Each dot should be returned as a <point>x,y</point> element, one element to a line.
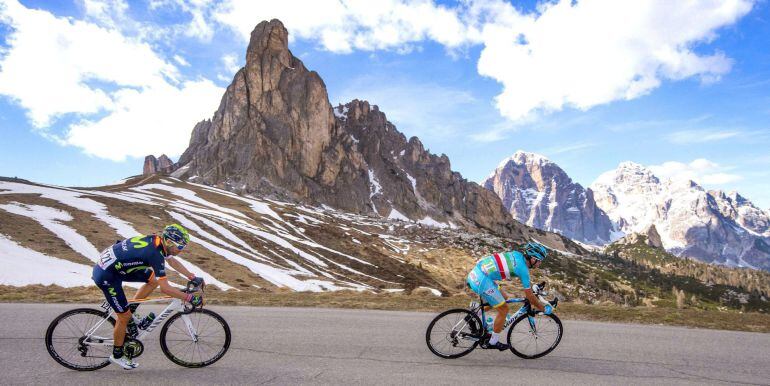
<point>489,321</point>
<point>147,321</point>
<point>132,332</point>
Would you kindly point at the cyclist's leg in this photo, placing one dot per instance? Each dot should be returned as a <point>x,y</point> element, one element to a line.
<point>491,294</point>
<point>117,300</point>
<point>146,276</point>
<point>113,291</point>
<point>474,280</point>
<point>112,288</point>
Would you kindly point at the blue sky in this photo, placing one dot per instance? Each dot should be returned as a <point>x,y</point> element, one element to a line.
<point>87,88</point>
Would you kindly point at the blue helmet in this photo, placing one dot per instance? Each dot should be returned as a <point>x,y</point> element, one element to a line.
<point>177,234</point>
<point>536,250</point>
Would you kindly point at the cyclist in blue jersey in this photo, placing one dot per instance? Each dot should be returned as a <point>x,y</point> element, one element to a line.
<point>504,266</point>
<point>140,259</point>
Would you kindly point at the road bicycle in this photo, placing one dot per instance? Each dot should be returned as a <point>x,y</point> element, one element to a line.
<point>81,339</point>
<point>532,334</point>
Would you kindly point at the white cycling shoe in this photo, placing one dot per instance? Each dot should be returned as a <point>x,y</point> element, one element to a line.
<point>125,363</point>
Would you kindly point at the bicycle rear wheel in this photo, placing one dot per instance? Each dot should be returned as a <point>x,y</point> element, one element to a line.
<point>203,343</point>
<point>533,340</point>
<point>68,341</point>
<point>454,333</point>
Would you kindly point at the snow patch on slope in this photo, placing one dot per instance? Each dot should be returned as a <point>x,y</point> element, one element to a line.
<point>51,218</point>
<point>23,266</point>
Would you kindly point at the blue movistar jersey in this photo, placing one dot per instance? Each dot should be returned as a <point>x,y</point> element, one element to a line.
<point>134,254</point>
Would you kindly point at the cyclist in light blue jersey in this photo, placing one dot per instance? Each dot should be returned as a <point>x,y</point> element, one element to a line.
<point>504,266</point>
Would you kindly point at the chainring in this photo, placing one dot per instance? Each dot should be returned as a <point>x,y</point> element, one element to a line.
<point>133,348</point>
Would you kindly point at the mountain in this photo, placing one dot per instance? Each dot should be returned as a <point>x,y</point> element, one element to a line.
<point>53,235</point>
<point>539,193</point>
<point>710,226</point>
<point>249,245</point>
<point>154,165</point>
<point>276,134</point>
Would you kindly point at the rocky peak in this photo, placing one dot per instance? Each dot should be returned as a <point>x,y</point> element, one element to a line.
<point>739,209</point>
<point>154,165</point>
<point>710,226</point>
<point>649,236</point>
<point>276,134</point>
<point>629,173</point>
<point>539,193</point>
<point>521,157</point>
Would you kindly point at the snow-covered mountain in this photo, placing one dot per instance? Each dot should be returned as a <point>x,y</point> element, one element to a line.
<point>710,226</point>
<point>539,193</point>
<point>53,235</point>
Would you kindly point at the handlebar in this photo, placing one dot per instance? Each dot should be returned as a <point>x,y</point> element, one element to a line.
<point>539,291</point>
<point>191,288</point>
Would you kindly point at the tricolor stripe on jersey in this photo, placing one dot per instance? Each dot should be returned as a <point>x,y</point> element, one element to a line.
<point>504,265</point>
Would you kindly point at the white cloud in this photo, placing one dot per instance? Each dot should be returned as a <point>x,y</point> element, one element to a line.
<point>102,76</point>
<point>145,122</point>
<point>181,61</point>
<point>594,52</point>
<point>567,148</point>
<point>426,110</point>
<point>231,64</point>
<point>700,136</point>
<point>700,170</point>
<point>564,55</point>
<point>106,12</point>
<point>344,25</point>
<point>199,26</point>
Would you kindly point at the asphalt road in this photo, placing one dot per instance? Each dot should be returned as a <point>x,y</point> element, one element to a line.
<point>332,346</point>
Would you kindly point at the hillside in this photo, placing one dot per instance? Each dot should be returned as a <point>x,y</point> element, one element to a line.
<point>239,242</point>
<point>250,245</point>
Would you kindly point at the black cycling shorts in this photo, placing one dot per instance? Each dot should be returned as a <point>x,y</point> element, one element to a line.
<point>112,285</point>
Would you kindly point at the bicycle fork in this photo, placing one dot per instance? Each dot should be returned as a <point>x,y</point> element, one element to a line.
<point>190,328</point>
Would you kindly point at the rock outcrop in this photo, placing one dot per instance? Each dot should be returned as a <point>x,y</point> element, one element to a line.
<point>154,165</point>
<point>710,226</point>
<point>276,134</point>
<point>539,193</point>
<point>649,237</point>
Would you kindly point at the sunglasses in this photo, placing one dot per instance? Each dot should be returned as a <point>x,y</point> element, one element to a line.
<point>178,246</point>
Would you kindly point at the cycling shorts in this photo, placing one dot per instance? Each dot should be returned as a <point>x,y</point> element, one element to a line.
<point>486,287</point>
<point>112,285</point>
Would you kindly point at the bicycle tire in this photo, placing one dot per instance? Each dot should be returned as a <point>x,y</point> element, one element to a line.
<point>49,338</point>
<point>519,353</point>
<point>475,332</point>
<point>203,363</point>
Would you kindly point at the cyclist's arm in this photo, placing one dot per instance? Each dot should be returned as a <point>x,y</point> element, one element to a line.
<point>159,267</point>
<point>179,267</point>
<point>169,290</point>
<point>533,300</point>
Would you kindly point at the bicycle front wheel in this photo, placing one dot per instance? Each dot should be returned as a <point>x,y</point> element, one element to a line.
<point>81,339</point>
<point>535,337</point>
<point>197,339</point>
<point>454,333</point>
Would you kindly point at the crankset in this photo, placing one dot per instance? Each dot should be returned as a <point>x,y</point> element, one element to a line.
<point>133,348</point>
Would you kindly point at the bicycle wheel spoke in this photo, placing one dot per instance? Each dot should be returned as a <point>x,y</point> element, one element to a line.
<point>209,343</point>
<point>448,334</point>
<point>534,342</point>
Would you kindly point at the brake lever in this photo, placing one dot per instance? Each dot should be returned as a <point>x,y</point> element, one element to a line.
<point>191,288</point>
